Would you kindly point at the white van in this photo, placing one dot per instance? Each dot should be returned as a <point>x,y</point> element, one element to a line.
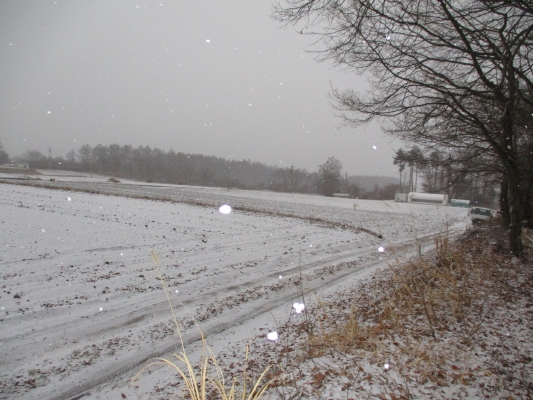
<point>477,214</point>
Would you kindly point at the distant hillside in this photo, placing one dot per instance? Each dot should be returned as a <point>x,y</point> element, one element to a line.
<point>155,165</point>
<point>367,183</point>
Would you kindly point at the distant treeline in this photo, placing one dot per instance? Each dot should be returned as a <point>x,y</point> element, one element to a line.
<point>154,165</point>
<point>368,183</point>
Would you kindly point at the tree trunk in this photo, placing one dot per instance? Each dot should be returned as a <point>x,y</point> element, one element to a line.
<point>436,179</point>
<point>416,177</point>
<point>516,212</point>
<point>410,178</point>
<point>515,204</point>
<point>504,203</point>
<point>512,175</point>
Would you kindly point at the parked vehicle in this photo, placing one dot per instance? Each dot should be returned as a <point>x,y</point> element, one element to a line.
<point>460,203</point>
<point>477,214</point>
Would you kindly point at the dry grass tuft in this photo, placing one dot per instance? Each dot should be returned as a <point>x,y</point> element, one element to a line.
<point>426,325</point>
<point>434,291</point>
<point>207,381</point>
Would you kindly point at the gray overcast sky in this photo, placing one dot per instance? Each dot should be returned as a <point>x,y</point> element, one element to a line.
<point>212,77</point>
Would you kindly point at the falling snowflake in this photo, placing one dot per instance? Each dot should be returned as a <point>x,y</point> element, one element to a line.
<point>298,307</point>
<point>225,209</point>
<point>272,336</point>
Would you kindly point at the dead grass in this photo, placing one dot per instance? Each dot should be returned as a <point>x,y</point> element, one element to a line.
<point>207,379</point>
<point>428,327</point>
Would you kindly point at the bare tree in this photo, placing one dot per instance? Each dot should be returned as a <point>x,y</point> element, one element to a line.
<point>4,157</point>
<point>70,160</point>
<point>85,156</point>
<point>35,159</point>
<point>330,173</point>
<point>444,73</point>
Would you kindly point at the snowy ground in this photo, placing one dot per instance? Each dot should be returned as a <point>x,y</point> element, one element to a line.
<point>81,306</point>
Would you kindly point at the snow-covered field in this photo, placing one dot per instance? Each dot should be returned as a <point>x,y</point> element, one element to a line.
<point>81,305</point>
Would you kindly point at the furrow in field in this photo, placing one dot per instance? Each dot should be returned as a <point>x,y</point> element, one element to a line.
<point>82,300</point>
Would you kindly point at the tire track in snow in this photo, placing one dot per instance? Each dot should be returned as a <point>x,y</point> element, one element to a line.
<point>235,318</point>
<point>138,313</point>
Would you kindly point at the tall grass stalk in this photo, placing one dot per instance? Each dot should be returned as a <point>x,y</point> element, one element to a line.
<point>210,381</point>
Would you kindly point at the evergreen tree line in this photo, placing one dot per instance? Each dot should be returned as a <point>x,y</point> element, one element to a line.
<point>448,173</point>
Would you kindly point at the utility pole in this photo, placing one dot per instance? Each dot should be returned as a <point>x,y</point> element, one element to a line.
<point>346,181</point>
<point>49,157</point>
